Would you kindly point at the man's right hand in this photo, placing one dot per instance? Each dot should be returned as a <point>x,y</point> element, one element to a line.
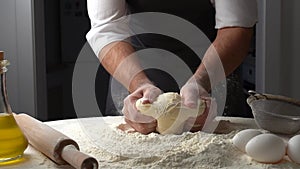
<point>141,123</point>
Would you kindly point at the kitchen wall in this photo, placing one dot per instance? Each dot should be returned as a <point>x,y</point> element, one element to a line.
<point>290,47</point>
<point>277,40</point>
<point>16,39</point>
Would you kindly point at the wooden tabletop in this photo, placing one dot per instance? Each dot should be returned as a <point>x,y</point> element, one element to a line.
<point>35,160</point>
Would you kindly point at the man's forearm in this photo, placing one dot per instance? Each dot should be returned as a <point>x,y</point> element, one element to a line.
<point>118,59</point>
<point>231,47</point>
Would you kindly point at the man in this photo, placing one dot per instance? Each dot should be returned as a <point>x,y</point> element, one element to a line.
<point>228,23</point>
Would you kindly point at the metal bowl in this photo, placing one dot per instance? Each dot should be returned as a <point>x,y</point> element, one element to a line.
<point>277,114</point>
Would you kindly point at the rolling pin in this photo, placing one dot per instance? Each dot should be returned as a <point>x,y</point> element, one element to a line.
<point>55,145</point>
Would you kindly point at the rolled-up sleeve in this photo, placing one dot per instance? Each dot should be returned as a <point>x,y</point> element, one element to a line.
<point>239,13</point>
<point>108,23</point>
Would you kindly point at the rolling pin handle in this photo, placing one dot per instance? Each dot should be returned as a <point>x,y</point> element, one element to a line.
<point>77,159</point>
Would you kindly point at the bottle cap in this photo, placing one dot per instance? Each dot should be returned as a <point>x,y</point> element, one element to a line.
<point>1,55</point>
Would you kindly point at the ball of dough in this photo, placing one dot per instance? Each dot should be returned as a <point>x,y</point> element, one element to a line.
<point>169,112</point>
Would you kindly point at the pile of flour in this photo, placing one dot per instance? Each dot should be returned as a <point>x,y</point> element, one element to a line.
<point>114,148</point>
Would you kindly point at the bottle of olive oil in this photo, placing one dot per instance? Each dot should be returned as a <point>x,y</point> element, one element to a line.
<point>12,141</point>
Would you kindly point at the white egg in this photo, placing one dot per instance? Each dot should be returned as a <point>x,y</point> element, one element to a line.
<point>293,149</point>
<point>241,138</point>
<point>266,148</point>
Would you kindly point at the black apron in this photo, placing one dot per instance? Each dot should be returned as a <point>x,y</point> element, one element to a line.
<point>201,13</point>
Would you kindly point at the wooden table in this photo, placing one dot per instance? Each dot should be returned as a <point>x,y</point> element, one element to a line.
<point>33,159</point>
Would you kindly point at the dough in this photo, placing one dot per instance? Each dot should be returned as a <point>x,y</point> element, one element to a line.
<point>169,112</point>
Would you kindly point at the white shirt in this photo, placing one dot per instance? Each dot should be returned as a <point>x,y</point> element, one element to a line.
<point>108,23</point>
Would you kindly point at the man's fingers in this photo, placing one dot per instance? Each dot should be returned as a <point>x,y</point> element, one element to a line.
<point>130,112</point>
<point>196,124</point>
<point>190,103</point>
<point>145,101</point>
<point>137,117</point>
<point>144,128</point>
<point>151,95</point>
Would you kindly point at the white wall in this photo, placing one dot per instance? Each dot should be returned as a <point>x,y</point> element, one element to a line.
<point>16,39</point>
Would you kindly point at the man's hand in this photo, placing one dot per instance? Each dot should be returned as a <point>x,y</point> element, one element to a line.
<point>191,92</point>
<point>141,123</point>
<point>196,124</point>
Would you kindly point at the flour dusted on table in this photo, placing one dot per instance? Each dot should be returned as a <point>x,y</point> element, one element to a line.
<point>117,149</point>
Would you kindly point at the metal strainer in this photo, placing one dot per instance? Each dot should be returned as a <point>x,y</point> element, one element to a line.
<point>277,114</point>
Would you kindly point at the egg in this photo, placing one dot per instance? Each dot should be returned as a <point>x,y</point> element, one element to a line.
<point>266,148</point>
<point>293,149</point>
<point>241,138</point>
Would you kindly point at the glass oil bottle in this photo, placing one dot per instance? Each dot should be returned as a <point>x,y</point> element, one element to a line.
<point>12,141</point>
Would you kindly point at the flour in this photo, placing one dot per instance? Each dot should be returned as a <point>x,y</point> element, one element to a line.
<point>117,149</point>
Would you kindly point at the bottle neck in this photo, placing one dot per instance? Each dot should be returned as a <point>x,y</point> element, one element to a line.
<point>4,104</point>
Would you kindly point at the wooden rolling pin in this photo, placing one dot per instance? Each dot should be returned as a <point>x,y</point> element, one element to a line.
<point>55,145</point>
